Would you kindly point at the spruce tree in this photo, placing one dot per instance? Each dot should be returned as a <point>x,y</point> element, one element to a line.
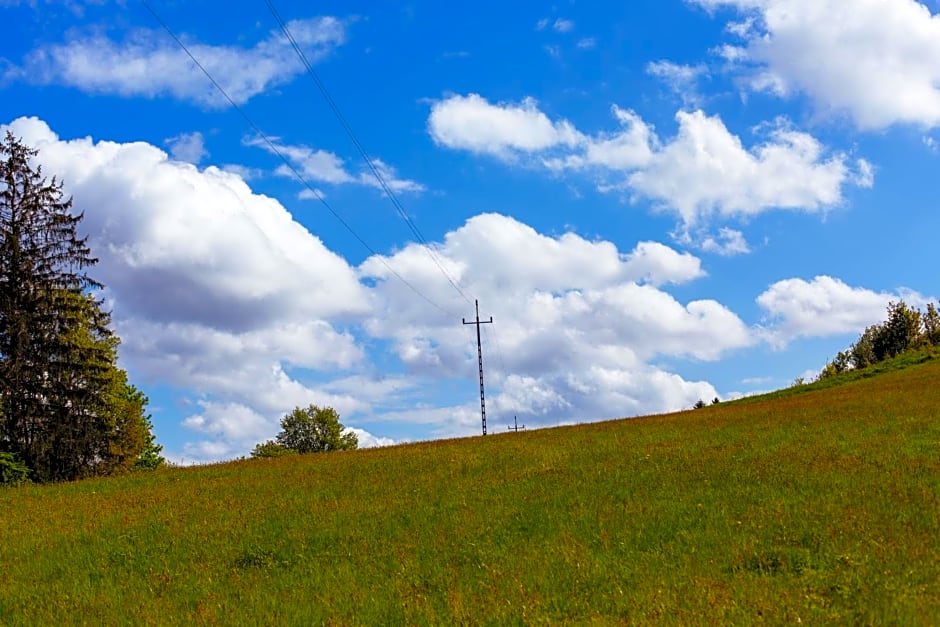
<point>66,409</point>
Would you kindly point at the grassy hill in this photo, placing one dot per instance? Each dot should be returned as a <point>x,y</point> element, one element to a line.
<point>808,505</point>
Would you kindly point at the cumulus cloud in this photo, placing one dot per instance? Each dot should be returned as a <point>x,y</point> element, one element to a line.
<point>214,288</point>
<point>148,63</point>
<point>876,61</point>
<point>576,322</point>
<point>218,293</point>
<point>706,170</point>
<point>702,172</point>
<point>823,307</point>
<point>473,123</point>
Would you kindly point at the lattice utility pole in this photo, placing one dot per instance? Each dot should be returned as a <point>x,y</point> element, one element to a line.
<point>478,322</point>
<point>516,428</point>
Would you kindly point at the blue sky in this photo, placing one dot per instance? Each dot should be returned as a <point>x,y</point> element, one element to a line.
<point>657,201</point>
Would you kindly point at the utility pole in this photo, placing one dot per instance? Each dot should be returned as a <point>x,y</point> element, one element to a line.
<point>516,428</point>
<point>478,322</point>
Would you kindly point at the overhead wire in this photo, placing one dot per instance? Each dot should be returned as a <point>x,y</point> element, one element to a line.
<point>376,172</point>
<point>362,151</point>
<point>274,149</point>
<point>386,188</point>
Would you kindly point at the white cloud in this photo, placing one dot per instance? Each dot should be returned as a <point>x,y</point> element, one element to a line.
<point>823,307</point>
<point>658,264</point>
<point>877,61</point>
<point>576,323</point>
<point>214,289</point>
<point>188,147</point>
<point>231,422</point>
<point>727,243</point>
<point>706,170</point>
<point>563,26</point>
<point>542,24</point>
<point>323,166</point>
<point>472,123</point>
<point>150,64</point>
<point>220,294</point>
<point>681,79</point>
<point>587,43</point>
<point>629,148</point>
<point>703,172</point>
<point>367,440</point>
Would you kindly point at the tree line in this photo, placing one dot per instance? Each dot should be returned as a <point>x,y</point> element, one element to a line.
<point>67,410</point>
<point>905,329</point>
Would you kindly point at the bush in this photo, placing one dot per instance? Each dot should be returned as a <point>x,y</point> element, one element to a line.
<point>271,449</point>
<point>12,472</point>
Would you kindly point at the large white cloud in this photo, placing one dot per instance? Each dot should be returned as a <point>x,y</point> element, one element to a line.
<point>877,61</point>
<point>703,172</point>
<point>149,63</point>
<point>576,322</point>
<point>218,292</point>
<point>824,306</point>
<point>214,288</point>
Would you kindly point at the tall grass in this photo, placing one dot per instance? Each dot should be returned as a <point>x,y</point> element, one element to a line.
<point>822,506</point>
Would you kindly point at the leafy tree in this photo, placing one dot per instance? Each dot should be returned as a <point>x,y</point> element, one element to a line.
<point>900,332</point>
<point>862,353</point>
<point>699,404</point>
<point>839,364</point>
<point>271,449</point>
<point>67,409</point>
<point>315,430</point>
<point>932,325</point>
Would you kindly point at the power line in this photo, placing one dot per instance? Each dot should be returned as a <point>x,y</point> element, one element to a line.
<point>415,230</point>
<point>362,151</point>
<point>316,193</point>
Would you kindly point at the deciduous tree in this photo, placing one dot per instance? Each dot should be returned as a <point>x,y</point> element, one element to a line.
<point>315,430</point>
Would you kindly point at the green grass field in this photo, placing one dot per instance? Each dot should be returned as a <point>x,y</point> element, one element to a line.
<point>810,505</point>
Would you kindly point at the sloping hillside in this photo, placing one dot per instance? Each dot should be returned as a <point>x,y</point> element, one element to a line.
<point>819,506</point>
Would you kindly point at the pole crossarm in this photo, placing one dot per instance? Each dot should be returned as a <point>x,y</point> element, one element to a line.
<point>478,322</point>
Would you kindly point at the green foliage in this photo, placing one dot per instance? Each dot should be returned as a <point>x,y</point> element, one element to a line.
<point>315,430</point>
<point>841,363</point>
<point>862,353</point>
<point>271,449</point>
<point>66,409</point>
<point>12,472</point>
<point>932,325</point>
<point>905,330</point>
<point>699,404</point>
<point>149,457</point>
<point>900,332</point>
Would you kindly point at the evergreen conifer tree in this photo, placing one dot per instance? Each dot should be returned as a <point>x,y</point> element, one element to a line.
<point>66,409</point>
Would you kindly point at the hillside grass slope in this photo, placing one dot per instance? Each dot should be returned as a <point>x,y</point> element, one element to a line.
<point>809,505</point>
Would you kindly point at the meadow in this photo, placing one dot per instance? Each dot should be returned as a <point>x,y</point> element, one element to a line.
<point>815,504</point>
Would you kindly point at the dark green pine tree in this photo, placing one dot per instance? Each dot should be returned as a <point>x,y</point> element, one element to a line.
<point>67,409</point>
